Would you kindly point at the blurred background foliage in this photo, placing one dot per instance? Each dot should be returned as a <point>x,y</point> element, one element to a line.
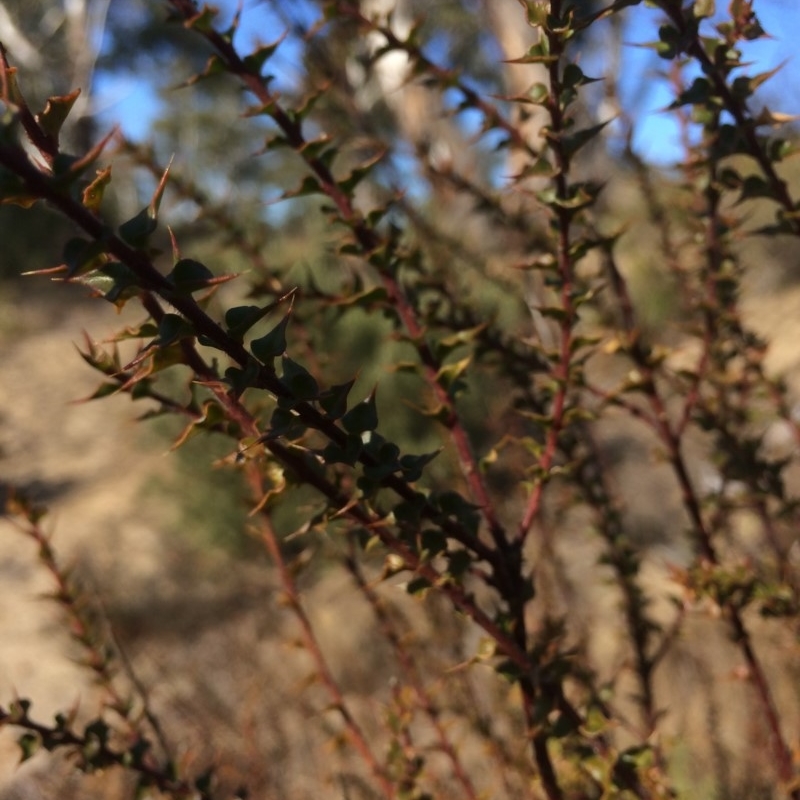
<point>440,176</point>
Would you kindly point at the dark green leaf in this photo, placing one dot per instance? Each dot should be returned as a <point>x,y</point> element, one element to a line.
<point>458,563</point>
<point>299,381</point>
<point>137,229</point>
<point>418,586</point>
<point>348,184</point>
<point>172,328</point>
<point>309,185</point>
<point>115,281</point>
<point>256,60</point>
<point>433,543</point>
<point>273,344</point>
<point>538,54</point>
<point>412,466</point>
<point>698,93</point>
<point>29,744</point>
<point>349,454</point>
<point>573,142</point>
<point>755,186</point>
<point>574,77</point>
<point>241,379</point>
<point>384,454</point>
<point>239,319</point>
<point>190,276</point>
<point>203,21</point>
<point>82,255</point>
<point>334,399</point>
<point>362,417</point>
<point>286,424</point>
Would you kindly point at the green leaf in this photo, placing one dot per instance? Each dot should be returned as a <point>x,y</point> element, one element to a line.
<point>309,185</point>
<point>412,466</point>
<point>433,543</point>
<point>272,345</point>
<point>362,417</point>
<point>214,66</point>
<point>29,744</point>
<point>410,511</point>
<point>418,586</point>
<point>83,255</point>
<point>103,390</point>
<point>573,142</point>
<point>754,186</point>
<point>285,423</point>
<point>385,455</point>
<point>670,42</point>
<point>453,505</point>
<point>239,319</point>
<point>445,346</point>
<point>203,21</point>
<point>190,276</point>
<point>334,399</point>
<point>458,563</point>
<point>538,54</point>
<point>299,381</point>
<point>580,196</point>
<point>256,60</point>
<point>574,77</point>
<point>537,94</point>
<point>319,149</point>
<point>699,93</point>
<point>173,328</point>
<point>137,230</point>
<point>97,730</point>
<point>348,184</point>
<point>779,149</point>
<point>241,379</point>
<point>450,376</point>
<point>116,282</point>
<point>744,86</point>
<point>349,454</point>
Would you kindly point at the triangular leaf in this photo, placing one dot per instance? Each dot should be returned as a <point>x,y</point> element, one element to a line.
<point>256,60</point>
<point>172,328</point>
<point>55,113</point>
<point>334,399</point>
<point>300,382</point>
<point>269,347</point>
<point>93,193</point>
<point>137,230</point>
<point>362,417</point>
<point>573,142</point>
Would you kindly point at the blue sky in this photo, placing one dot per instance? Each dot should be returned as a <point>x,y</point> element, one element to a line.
<point>657,135</point>
<point>135,105</point>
